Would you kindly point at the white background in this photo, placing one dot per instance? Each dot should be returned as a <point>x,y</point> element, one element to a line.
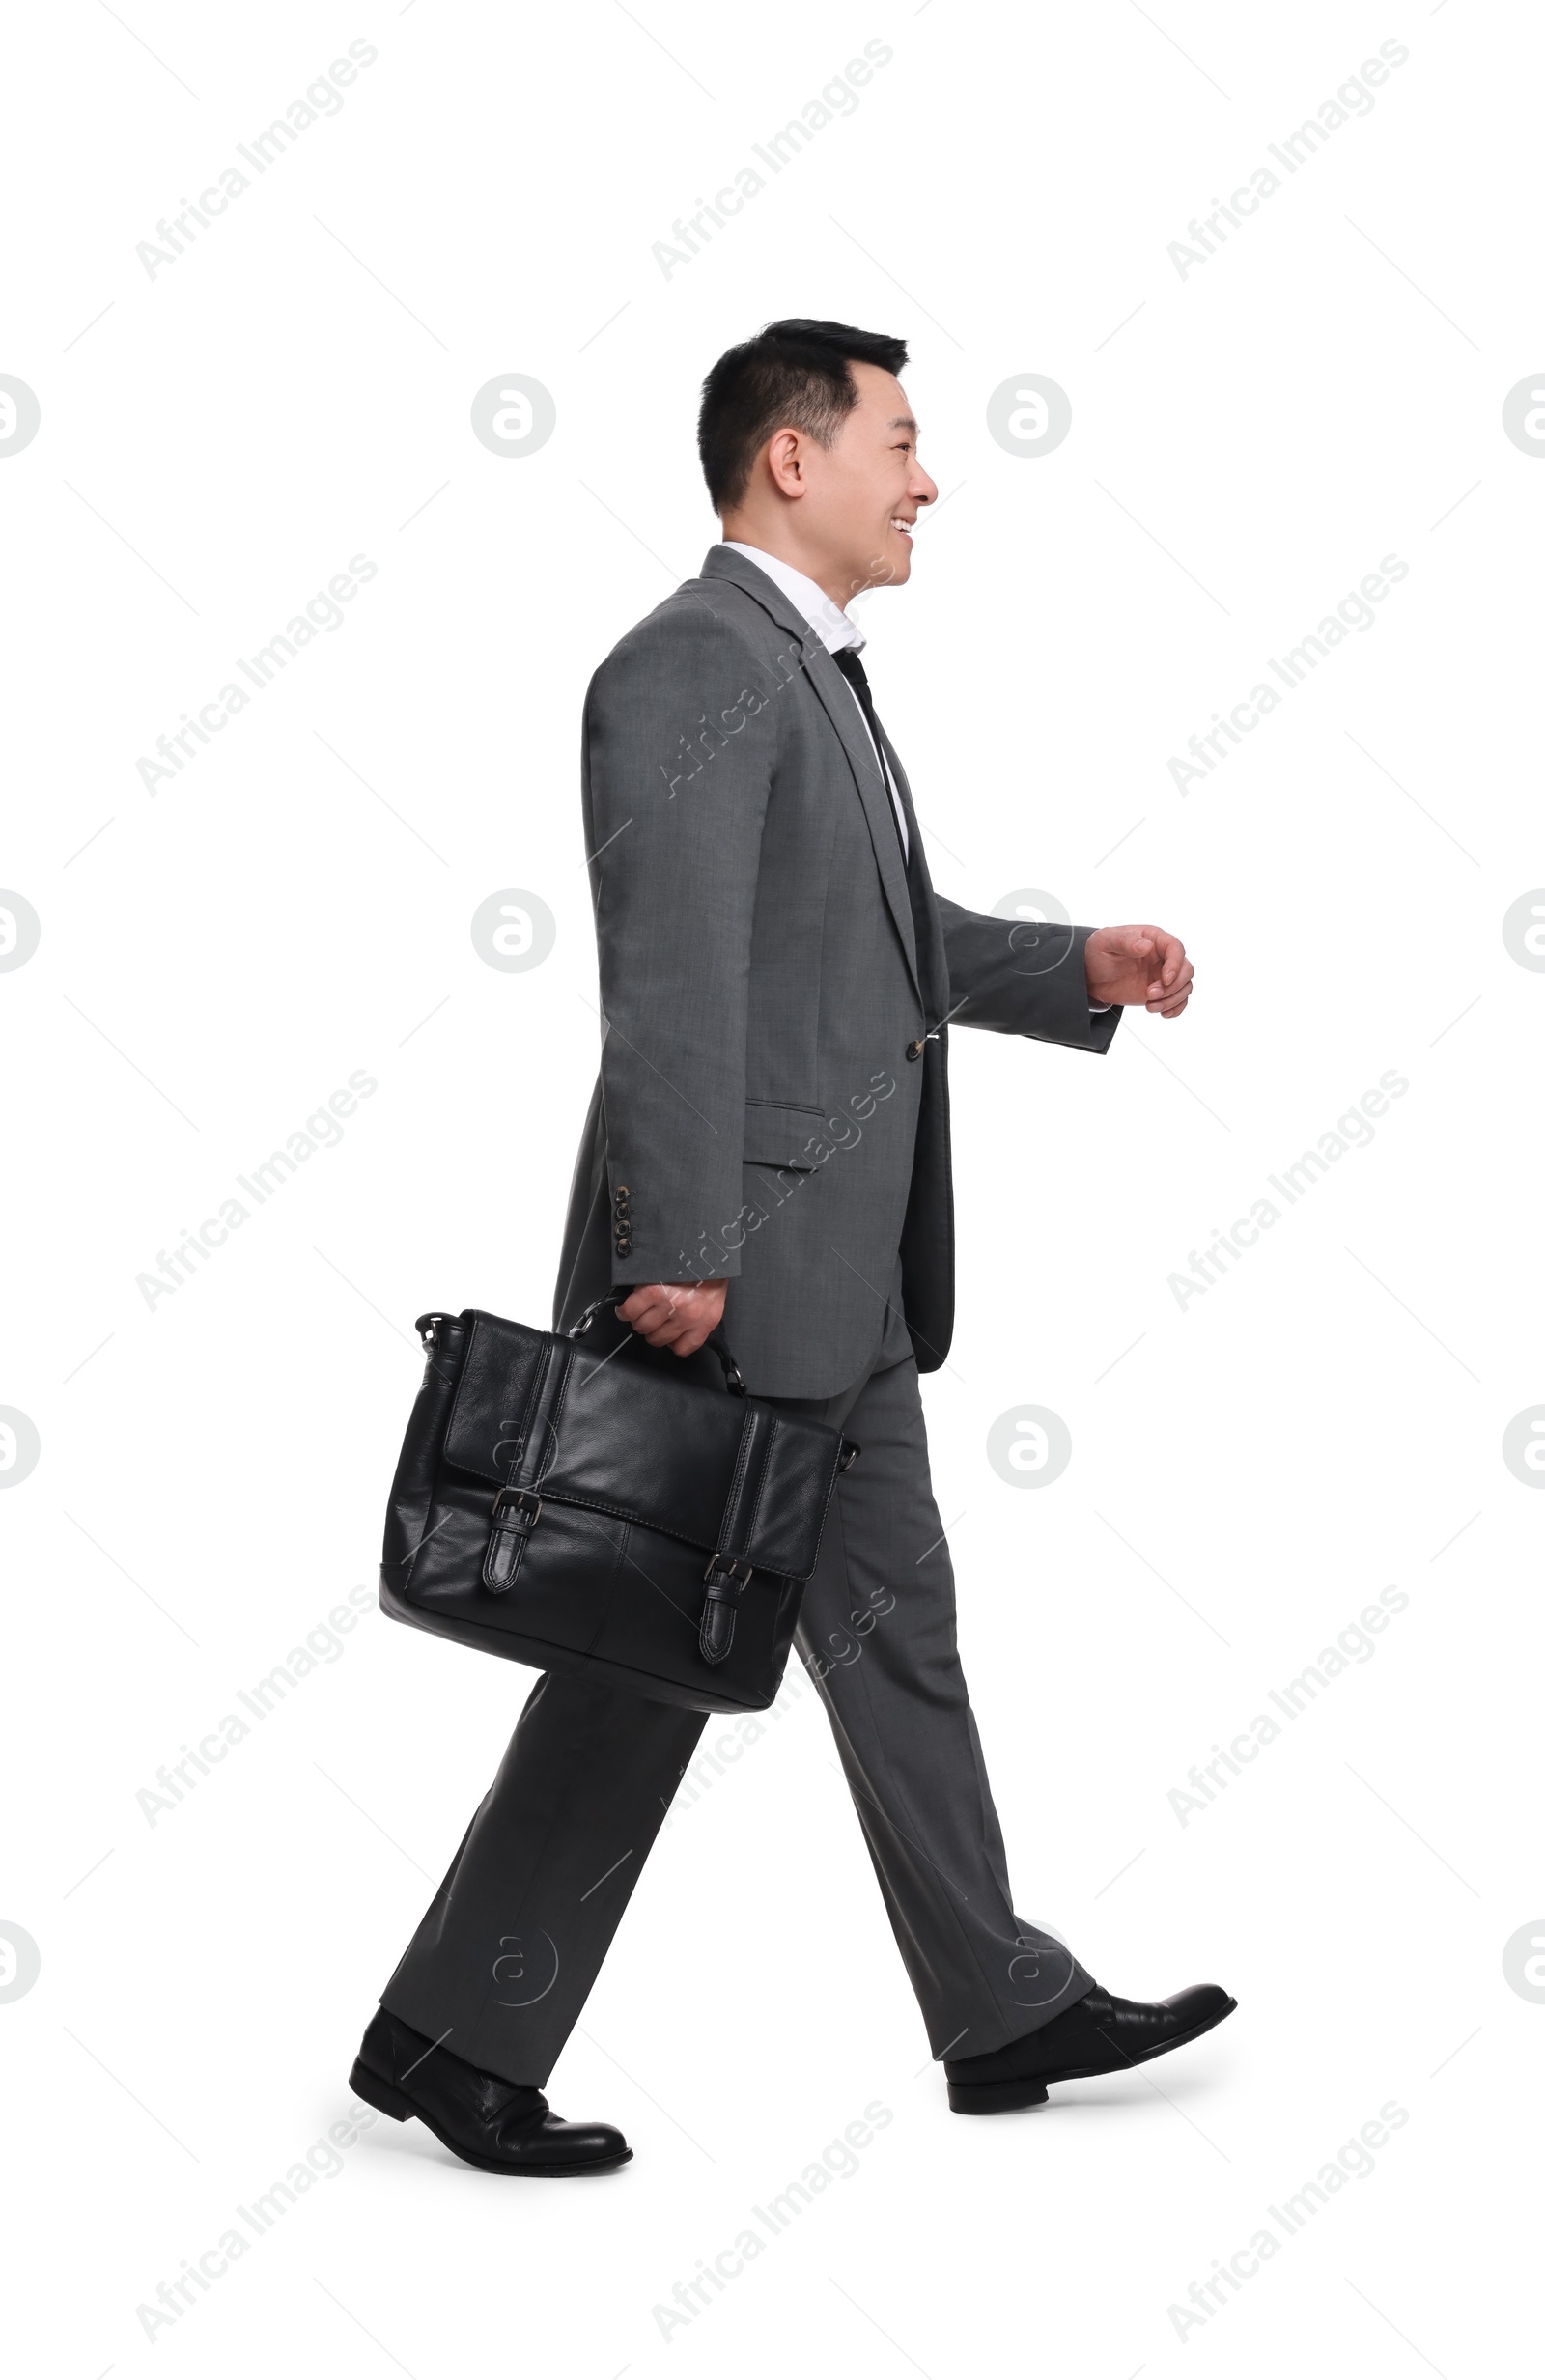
<point>1249,1470</point>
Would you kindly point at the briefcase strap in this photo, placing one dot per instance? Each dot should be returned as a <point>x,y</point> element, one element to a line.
<point>716,1340</point>
<point>729,1573</point>
<point>518,1505</point>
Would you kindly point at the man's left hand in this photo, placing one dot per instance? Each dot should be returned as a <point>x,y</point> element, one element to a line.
<point>1137,966</point>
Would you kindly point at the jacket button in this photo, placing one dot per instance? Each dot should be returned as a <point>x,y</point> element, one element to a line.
<point>622,1189</point>
<point>915,1049</point>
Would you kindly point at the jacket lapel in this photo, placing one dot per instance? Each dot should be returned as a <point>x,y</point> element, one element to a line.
<point>836,698</point>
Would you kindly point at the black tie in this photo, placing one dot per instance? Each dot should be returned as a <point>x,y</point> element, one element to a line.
<point>853,669</point>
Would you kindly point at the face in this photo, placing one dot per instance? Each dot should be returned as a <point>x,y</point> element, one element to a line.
<point>862,494</point>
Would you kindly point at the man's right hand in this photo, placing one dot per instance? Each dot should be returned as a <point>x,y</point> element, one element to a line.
<point>675,1314</point>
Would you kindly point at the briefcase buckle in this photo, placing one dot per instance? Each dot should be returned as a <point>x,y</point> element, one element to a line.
<point>727,1581</point>
<point>516,1514</point>
<point>722,1567</point>
<point>530,1504</point>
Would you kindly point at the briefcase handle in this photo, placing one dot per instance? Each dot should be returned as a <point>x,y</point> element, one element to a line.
<point>715,1339</point>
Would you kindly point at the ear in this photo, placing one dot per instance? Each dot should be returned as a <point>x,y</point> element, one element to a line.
<point>785,462</point>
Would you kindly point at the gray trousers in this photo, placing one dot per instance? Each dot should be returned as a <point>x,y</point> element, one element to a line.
<point>509,1947</point>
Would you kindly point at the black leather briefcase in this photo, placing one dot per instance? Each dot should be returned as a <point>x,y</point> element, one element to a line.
<point>590,1512</point>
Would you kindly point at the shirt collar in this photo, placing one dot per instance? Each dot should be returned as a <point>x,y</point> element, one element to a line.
<point>835,627</point>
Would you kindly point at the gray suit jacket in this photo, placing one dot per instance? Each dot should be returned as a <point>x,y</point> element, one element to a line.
<point>773,1103</point>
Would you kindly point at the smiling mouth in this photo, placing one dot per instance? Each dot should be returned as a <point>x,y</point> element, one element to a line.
<point>905,526</point>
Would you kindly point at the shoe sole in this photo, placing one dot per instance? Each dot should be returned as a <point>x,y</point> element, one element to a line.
<point>1001,2098</point>
<point>392,2102</point>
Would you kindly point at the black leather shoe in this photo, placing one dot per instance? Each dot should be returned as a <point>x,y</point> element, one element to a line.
<point>1099,2034</point>
<point>504,2127</point>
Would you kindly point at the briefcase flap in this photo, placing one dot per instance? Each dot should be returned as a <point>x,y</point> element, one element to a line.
<point>624,1439</point>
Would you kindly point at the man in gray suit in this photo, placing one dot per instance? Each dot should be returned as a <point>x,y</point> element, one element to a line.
<point>768,1146</point>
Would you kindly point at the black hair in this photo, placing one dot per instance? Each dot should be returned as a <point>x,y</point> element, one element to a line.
<point>792,374</point>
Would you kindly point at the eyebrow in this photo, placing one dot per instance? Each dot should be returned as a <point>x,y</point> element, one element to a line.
<point>903,420</point>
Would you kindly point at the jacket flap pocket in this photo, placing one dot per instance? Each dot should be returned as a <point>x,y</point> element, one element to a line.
<point>777,1135</point>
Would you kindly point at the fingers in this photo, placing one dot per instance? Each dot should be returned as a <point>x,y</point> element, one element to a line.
<point>1170,952</point>
<point>1166,960</point>
<point>651,1309</point>
<point>1171,1004</point>
<point>676,1329</point>
<point>1167,950</point>
<point>671,1315</point>
<point>646,1307</point>
<point>1171,985</point>
<point>683,1335</point>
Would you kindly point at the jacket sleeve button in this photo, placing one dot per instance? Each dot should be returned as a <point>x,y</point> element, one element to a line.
<point>915,1049</point>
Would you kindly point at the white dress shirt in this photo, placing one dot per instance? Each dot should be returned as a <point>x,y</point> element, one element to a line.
<point>836,629</point>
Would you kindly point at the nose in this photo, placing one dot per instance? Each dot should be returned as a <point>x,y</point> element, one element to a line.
<point>920,487</point>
